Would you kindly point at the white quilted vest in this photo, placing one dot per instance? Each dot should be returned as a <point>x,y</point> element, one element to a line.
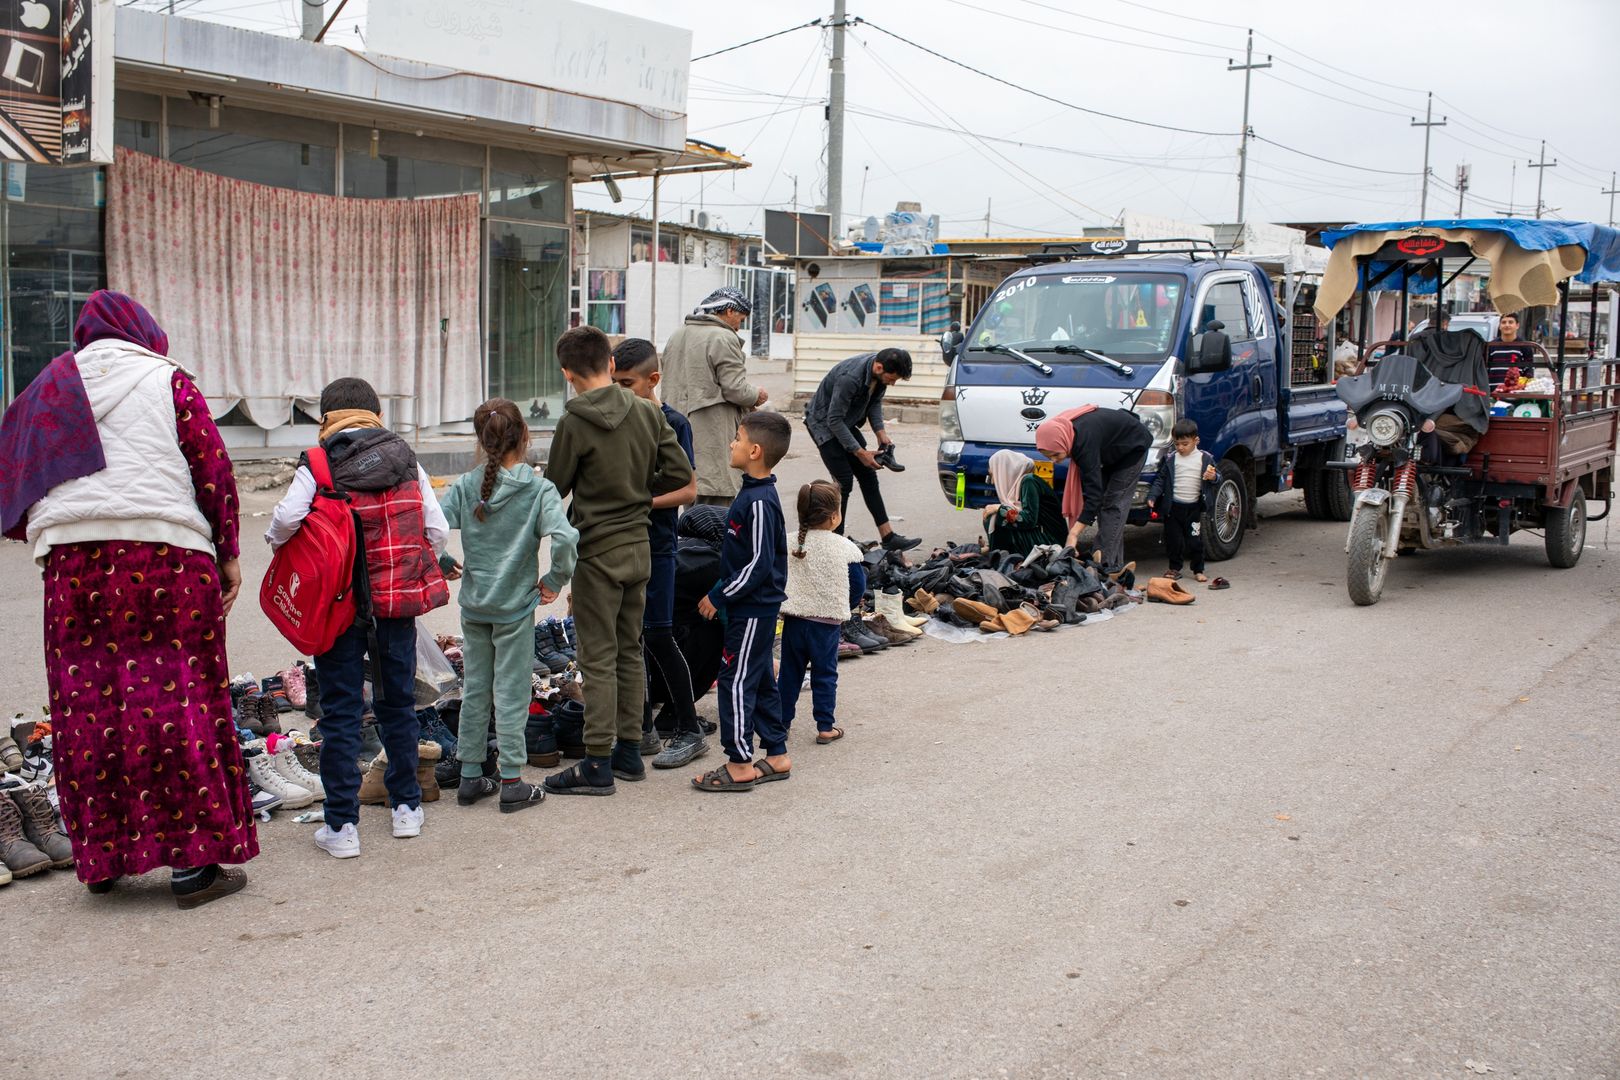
<point>818,584</point>
<point>145,492</point>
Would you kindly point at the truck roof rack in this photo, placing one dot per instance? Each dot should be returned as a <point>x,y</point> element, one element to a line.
<point>1114,248</point>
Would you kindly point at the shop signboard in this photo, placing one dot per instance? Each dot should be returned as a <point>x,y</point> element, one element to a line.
<point>560,44</point>
<point>56,61</point>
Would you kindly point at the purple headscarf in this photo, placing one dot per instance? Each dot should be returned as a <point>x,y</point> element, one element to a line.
<point>48,435</point>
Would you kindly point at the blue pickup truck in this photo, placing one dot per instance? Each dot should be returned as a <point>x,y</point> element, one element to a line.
<point>1164,334</point>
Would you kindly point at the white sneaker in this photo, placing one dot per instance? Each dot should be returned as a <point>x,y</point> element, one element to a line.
<point>408,821</point>
<point>292,770</point>
<point>263,770</point>
<point>343,844</point>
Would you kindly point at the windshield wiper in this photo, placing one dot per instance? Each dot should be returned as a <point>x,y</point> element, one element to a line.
<point>1091,354</point>
<point>1007,350</point>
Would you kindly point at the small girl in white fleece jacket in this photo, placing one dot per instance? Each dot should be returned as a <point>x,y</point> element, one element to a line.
<point>826,579</point>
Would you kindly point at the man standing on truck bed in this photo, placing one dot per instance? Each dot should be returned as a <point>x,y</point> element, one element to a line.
<point>852,395</point>
<point>1106,449</point>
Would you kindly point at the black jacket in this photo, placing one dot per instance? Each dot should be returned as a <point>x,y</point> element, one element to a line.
<point>1164,481</point>
<point>844,401</point>
<point>1105,441</point>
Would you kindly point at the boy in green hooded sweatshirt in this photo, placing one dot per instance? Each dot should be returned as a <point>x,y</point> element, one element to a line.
<point>613,452</point>
<point>503,511</point>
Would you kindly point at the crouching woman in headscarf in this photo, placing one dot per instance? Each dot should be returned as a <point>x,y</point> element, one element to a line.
<point>1027,513</point>
<point>111,467</point>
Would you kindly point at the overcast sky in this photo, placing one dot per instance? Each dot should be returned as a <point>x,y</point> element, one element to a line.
<point>1344,87</point>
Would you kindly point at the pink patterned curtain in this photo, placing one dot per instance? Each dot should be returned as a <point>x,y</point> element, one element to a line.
<point>269,294</point>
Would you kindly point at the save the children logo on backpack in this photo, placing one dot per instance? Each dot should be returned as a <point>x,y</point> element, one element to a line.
<point>292,587</point>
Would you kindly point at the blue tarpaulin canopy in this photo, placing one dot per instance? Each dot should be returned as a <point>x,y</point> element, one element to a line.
<point>1528,258</point>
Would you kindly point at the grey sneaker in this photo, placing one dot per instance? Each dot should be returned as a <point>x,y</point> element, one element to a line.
<point>683,748</point>
<point>650,743</point>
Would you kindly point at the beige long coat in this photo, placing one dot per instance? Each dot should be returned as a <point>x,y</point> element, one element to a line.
<point>706,378</point>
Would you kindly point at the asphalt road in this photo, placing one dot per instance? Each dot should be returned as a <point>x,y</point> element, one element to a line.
<point>1270,834</point>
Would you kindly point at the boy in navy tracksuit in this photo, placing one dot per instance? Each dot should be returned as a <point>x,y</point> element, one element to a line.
<point>752,586</point>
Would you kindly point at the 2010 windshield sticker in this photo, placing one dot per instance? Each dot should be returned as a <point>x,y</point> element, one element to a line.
<point>1091,279</point>
<point>1015,287</point>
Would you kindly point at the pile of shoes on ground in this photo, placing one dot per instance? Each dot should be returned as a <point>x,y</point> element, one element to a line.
<point>284,763</point>
<point>969,585</point>
<point>32,840</point>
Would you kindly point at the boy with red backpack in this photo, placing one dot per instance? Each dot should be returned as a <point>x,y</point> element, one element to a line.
<point>404,531</point>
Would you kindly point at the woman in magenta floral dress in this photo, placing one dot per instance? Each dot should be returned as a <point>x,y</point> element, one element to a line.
<point>115,473</point>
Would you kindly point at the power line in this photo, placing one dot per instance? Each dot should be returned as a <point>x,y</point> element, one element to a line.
<point>1181,16</point>
<point>1331,161</point>
<point>1037,93</point>
<point>999,161</point>
<point>756,41</point>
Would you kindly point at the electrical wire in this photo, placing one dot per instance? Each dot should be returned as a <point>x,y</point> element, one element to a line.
<point>1084,34</point>
<point>1039,94</point>
<point>1331,161</point>
<point>755,41</point>
<point>1125,26</point>
<point>1000,161</point>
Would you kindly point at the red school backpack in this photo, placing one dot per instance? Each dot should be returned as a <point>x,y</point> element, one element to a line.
<point>316,585</point>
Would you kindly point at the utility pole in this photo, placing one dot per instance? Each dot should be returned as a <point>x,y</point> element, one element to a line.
<point>835,126</point>
<point>1541,171</point>
<point>314,17</point>
<point>987,218</point>
<point>1463,172</point>
<point>1248,67</point>
<point>1429,122</point>
<point>1611,191</point>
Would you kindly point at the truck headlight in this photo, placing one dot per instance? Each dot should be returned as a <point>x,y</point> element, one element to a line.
<point>950,421</point>
<point>1157,411</point>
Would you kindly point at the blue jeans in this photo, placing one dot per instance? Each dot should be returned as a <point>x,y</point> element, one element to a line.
<point>812,645</point>
<point>342,673</point>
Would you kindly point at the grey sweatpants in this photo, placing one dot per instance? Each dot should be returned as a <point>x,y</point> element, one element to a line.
<point>1119,487</point>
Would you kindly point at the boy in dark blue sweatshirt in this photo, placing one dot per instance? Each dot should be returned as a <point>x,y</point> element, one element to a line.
<point>752,586</point>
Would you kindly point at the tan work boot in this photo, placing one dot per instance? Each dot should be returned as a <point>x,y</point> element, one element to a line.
<point>373,792</point>
<point>11,758</point>
<point>41,828</point>
<point>21,857</point>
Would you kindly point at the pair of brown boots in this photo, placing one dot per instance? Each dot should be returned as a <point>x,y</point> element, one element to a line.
<point>373,792</point>
<point>1020,620</point>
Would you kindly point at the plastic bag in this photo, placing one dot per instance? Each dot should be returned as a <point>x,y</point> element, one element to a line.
<point>434,676</point>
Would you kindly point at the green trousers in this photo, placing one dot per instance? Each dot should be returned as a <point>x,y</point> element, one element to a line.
<point>610,595</point>
<point>498,659</point>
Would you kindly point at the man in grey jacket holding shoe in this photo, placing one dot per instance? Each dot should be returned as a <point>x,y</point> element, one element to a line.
<point>850,396</point>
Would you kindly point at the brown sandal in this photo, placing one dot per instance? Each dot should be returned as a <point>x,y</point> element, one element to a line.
<point>1173,575</point>
<point>825,737</point>
<point>719,778</point>
<point>768,772</point>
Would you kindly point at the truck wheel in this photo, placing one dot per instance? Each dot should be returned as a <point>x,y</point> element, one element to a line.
<point>1566,533</point>
<point>1315,488</point>
<point>1223,530</point>
<point>1364,572</point>
<point>1340,500</point>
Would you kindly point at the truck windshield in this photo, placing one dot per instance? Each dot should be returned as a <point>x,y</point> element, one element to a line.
<point>1125,315</point>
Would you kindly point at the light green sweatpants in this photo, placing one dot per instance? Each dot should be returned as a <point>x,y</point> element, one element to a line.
<point>498,660</point>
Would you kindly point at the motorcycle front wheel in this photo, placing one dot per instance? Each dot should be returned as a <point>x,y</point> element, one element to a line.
<point>1367,565</point>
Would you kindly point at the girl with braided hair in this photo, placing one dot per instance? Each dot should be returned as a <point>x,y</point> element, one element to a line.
<point>826,580</point>
<point>504,510</point>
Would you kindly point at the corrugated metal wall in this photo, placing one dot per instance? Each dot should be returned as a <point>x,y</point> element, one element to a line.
<point>815,354</point>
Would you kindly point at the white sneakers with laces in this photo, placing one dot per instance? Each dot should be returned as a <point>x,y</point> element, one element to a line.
<point>408,821</point>
<point>342,844</point>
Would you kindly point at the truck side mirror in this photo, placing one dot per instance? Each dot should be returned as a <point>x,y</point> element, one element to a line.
<point>1211,350</point>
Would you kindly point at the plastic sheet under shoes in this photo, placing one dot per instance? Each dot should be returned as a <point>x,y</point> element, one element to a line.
<point>951,634</point>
